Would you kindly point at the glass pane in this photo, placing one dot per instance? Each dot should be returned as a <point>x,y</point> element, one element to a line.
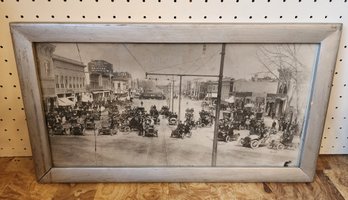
<point>142,104</point>
<point>264,99</point>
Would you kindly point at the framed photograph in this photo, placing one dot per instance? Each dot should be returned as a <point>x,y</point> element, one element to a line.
<point>175,102</point>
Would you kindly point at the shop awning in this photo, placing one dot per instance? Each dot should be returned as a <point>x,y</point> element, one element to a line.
<point>65,102</point>
<point>97,92</point>
<point>230,99</point>
<point>249,105</point>
<point>211,95</point>
<point>86,98</point>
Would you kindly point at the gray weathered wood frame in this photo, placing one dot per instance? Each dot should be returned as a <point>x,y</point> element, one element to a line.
<point>25,34</point>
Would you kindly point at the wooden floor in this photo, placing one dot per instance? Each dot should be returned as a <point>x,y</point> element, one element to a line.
<point>17,181</point>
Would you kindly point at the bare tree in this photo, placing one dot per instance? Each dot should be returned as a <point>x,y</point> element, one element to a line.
<point>282,62</point>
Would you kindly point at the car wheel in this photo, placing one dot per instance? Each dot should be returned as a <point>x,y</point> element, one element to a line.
<point>227,138</point>
<point>254,144</point>
<point>270,145</point>
<point>242,141</point>
<point>280,147</point>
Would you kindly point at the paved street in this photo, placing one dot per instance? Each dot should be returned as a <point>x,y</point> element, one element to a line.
<point>129,149</point>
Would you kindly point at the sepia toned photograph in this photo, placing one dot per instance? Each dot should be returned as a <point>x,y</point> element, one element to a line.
<point>175,102</point>
<point>161,104</point>
<point>130,104</point>
<point>264,97</point>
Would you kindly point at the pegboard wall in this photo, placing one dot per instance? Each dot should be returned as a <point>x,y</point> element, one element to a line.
<point>14,139</point>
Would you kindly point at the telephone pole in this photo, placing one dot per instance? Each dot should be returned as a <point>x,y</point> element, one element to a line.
<point>180,85</point>
<point>218,101</point>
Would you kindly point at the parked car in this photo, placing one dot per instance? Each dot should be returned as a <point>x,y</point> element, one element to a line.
<point>77,129</point>
<point>106,129</point>
<point>173,119</point>
<point>255,141</point>
<point>228,135</point>
<point>150,131</point>
<point>57,129</point>
<point>90,124</point>
<point>181,131</point>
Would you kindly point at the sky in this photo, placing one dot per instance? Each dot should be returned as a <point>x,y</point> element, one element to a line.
<point>241,60</point>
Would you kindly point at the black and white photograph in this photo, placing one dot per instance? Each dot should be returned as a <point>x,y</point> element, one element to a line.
<point>130,104</point>
<point>147,105</point>
<point>264,97</point>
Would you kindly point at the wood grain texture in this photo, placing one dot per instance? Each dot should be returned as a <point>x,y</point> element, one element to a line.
<point>17,181</point>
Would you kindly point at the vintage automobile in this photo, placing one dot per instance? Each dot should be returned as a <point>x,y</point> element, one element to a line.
<point>192,124</point>
<point>165,112</point>
<point>106,129</point>
<point>89,123</point>
<point>227,135</point>
<point>176,133</point>
<point>150,131</point>
<point>131,125</point>
<point>205,120</point>
<point>125,124</point>
<point>285,141</point>
<point>255,141</point>
<point>57,129</point>
<point>77,129</point>
<point>173,119</point>
<point>276,144</point>
<point>125,128</point>
<point>140,110</point>
<point>204,123</point>
<point>181,131</point>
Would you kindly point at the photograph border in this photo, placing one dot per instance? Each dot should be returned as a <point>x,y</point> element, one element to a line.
<point>327,36</point>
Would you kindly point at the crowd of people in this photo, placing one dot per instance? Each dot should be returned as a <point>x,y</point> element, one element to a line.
<point>123,116</point>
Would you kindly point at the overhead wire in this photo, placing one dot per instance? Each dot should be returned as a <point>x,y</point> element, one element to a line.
<point>135,59</point>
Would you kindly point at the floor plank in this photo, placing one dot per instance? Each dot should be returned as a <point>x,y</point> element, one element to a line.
<point>17,181</point>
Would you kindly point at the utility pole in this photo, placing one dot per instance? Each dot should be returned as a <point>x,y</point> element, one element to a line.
<point>218,101</point>
<point>172,88</point>
<point>179,98</point>
<point>172,95</point>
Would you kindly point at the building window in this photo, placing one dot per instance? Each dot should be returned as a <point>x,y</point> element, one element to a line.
<point>66,82</point>
<point>231,86</point>
<point>57,81</point>
<point>70,84</point>
<point>215,88</point>
<point>62,81</point>
<point>48,70</point>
